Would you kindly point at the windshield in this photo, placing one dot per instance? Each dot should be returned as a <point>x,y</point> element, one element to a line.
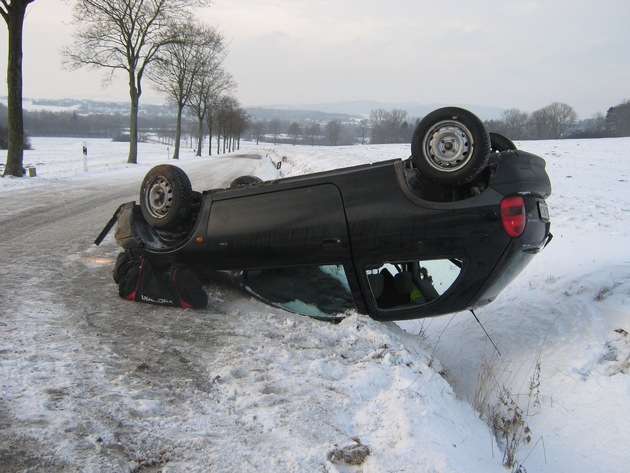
<point>316,291</point>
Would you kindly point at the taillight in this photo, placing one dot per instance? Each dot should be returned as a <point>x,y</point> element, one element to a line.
<point>513,216</point>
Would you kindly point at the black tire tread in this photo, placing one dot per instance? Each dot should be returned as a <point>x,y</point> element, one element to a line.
<point>478,161</point>
<point>182,198</point>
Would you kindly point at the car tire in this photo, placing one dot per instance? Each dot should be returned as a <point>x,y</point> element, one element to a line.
<point>246,181</point>
<point>165,196</point>
<point>450,146</point>
<point>500,143</point>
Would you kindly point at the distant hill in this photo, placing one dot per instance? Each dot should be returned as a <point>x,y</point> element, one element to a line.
<point>92,107</point>
<point>322,112</point>
<point>288,114</point>
<point>363,108</point>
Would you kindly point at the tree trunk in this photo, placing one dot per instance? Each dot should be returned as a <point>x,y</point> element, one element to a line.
<point>133,120</point>
<point>15,152</point>
<point>200,137</point>
<point>219,137</point>
<point>178,130</point>
<point>209,137</point>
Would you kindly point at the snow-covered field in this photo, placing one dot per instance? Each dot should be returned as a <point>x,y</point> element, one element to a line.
<point>89,382</point>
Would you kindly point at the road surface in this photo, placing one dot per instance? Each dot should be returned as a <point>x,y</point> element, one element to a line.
<point>58,296</point>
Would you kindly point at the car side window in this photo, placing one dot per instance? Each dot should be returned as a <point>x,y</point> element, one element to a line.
<point>408,283</point>
<point>314,290</point>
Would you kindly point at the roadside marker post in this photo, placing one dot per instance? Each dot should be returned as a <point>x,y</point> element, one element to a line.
<point>85,154</point>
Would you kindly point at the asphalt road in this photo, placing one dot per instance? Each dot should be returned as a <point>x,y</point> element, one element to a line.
<point>67,339</point>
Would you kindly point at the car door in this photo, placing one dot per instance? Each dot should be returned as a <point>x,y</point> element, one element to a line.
<point>278,226</point>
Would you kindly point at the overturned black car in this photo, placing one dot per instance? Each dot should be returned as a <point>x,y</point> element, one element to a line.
<point>442,231</point>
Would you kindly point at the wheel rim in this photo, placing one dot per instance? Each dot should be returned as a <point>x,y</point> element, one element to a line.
<point>159,197</point>
<point>448,146</point>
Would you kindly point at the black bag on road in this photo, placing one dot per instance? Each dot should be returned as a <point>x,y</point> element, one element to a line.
<point>157,281</point>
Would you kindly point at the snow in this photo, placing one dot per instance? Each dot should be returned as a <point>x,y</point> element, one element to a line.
<point>89,382</point>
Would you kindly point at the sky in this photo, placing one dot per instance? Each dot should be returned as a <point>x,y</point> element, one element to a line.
<point>521,54</point>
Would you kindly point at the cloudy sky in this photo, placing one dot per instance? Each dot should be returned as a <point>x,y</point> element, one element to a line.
<point>502,53</point>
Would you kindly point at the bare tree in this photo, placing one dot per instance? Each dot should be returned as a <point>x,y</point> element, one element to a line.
<point>225,119</point>
<point>539,125</point>
<point>362,128</point>
<point>13,12</point>
<point>294,131</point>
<point>182,63</point>
<point>206,92</point>
<point>515,123</point>
<point>274,129</point>
<point>378,120</point>
<point>209,85</point>
<point>398,125</point>
<point>563,116</point>
<point>553,121</point>
<point>238,124</point>
<point>313,131</point>
<point>223,84</point>
<point>258,128</point>
<point>333,130</point>
<point>125,35</point>
<point>388,126</point>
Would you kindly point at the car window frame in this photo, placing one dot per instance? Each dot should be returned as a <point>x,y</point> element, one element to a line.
<point>408,310</point>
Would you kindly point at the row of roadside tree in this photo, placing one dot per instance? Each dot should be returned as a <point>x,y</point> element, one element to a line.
<point>159,39</point>
<point>227,122</point>
<point>554,121</point>
<point>559,120</point>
